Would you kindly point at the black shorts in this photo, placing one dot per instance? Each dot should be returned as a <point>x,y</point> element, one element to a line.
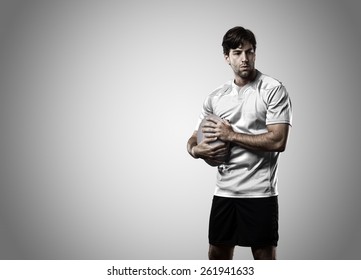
<point>249,222</point>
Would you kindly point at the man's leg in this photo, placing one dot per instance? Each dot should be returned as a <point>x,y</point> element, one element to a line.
<point>264,253</point>
<point>220,252</point>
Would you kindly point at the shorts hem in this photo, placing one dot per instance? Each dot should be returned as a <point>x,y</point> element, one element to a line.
<point>240,244</point>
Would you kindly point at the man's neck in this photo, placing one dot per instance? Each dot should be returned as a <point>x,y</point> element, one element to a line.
<point>239,81</point>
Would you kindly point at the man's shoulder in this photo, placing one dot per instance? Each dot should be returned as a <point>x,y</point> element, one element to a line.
<point>222,89</point>
<point>267,82</point>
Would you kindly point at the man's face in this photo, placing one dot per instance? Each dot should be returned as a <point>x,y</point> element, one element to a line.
<point>242,60</point>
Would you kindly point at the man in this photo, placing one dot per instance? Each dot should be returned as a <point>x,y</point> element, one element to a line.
<point>256,114</point>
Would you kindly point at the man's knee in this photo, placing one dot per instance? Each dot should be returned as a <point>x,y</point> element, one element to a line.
<point>220,252</point>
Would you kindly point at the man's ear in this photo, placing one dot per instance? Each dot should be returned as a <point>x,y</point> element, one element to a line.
<point>226,57</point>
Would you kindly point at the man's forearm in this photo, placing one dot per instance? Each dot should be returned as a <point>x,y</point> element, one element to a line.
<point>192,142</point>
<point>272,141</point>
<point>261,142</point>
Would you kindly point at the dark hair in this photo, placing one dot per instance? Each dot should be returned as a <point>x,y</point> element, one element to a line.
<point>235,37</point>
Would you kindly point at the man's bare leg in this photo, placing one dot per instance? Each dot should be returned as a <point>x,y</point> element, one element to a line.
<point>220,252</point>
<point>264,253</point>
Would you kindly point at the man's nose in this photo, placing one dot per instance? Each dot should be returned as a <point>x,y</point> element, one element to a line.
<point>244,57</point>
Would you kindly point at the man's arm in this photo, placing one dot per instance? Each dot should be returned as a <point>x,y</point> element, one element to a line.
<point>275,139</point>
<point>192,142</point>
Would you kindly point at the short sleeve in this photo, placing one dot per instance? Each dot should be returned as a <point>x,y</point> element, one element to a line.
<point>206,110</point>
<point>279,106</point>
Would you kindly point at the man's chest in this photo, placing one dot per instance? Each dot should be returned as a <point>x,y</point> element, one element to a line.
<point>245,110</point>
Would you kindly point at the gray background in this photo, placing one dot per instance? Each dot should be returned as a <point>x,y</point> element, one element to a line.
<point>98,99</point>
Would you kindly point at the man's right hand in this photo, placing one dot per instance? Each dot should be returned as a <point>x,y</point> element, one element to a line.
<point>213,155</point>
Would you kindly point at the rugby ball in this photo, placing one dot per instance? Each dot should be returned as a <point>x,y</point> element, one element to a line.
<point>201,136</point>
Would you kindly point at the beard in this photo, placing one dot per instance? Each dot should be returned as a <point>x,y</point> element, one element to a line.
<point>246,74</point>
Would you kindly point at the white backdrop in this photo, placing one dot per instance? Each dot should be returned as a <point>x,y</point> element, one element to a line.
<point>98,100</point>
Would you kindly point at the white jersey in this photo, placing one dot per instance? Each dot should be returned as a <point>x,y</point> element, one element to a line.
<point>249,109</point>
